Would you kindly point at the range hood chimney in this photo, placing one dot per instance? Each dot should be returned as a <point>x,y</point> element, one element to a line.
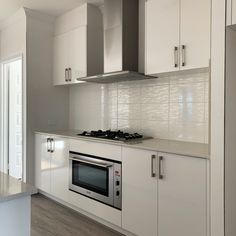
<point>121,43</point>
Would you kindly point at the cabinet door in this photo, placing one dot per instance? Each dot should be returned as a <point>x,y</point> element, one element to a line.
<point>182,196</point>
<point>195,33</point>
<point>139,192</point>
<point>162,36</point>
<point>78,53</point>
<point>60,59</point>
<point>233,11</point>
<point>42,163</point>
<point>60,168</point>
<point>229,12</point>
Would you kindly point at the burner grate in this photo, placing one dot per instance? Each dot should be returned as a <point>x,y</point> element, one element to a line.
<point>112,135</point>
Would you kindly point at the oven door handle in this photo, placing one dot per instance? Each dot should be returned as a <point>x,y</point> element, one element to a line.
<point>100,164</point>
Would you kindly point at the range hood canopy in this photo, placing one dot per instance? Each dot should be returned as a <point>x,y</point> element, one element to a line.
<point>117,76</point>
<point>121,43</point>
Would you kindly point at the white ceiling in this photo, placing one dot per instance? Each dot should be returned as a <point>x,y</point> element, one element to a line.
<point>50,7</point>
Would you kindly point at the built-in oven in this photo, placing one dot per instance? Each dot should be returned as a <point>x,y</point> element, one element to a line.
<point>97,178</point>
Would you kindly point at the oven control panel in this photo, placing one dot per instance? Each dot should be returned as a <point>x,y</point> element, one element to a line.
<point>117,186</point>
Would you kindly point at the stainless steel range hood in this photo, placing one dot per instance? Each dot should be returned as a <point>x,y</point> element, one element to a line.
<point>118,76</point>
<point>121,43</point>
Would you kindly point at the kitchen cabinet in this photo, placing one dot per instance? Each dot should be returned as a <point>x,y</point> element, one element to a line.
<point>95,208</point>
<point>78,45</point>
<point>70,56</point>
<point>77,53</point>
<point>108,151</point>
<point>176,37</point>
<point>60,168</point>
<point>60,59</point>
<point>231,12</point>
<point>52,165</point>
<point>162,36</point>
<point>42,163</point>
<point>182,196</point>
<point>52,173</point>
<point>163,194</point>
<point>195,34</point>
<point>139,192</point>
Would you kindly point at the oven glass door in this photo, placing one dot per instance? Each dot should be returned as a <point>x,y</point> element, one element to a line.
<point>91,177</point>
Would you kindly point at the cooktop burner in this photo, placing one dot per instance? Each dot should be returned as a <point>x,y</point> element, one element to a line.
<point>113,135</point>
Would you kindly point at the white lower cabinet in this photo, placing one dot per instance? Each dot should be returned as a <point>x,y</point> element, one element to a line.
<point>139,192</point>
<point>182,196</point>
<point>52,165</point>
<point>84,203</point>
<point>52,172</point>
<point>164,194</point>
<point>42,163</point>
<point>60,168</point>
<point>96,208</point>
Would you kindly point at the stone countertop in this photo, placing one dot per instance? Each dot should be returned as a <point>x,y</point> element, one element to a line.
<point>12,188</point>
<point>159,145</point>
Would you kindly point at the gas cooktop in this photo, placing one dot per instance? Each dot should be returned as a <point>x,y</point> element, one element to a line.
<point>114,135</point>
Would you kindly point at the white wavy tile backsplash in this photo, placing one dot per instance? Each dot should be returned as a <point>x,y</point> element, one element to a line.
<point>174,107</point>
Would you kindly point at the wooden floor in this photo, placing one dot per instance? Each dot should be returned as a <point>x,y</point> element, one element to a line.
<point>52,219</point>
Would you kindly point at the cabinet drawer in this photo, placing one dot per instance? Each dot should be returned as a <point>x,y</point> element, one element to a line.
<point>108,151</point>
<point>98,209</point>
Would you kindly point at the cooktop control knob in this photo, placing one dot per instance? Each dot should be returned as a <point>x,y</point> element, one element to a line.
<point>117,193</point>
<point>117,183</point>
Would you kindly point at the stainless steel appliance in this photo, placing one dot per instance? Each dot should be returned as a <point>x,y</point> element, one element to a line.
<point>96,178</point>
<point>121,43</point>
<point>117,135</point>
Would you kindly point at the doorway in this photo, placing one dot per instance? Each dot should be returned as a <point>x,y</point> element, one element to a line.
<point>11,117</point>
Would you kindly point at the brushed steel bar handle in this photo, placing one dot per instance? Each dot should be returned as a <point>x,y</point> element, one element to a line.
<point>66,74</point>
<point>100,164</point>
<point>48,147</point>
<point>161,171</point>
<point>183,55</point>
<point>153,173</point>
<point>52,145</point>
<point>70,74</point>
<point>176,59</point>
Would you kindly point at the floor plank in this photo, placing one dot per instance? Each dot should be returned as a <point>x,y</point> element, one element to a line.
<point>52,219</point>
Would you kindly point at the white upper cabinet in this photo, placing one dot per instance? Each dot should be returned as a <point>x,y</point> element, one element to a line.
<point>231,12</point>
<point>60,59</point>
<point>177,35</point>
<point>70,56</point>
<point>182,196</point>
<point>77,53</point>
<point>139,192</point>
<point>195,34</point>
<point>162,36</point>
<point>78,45</point>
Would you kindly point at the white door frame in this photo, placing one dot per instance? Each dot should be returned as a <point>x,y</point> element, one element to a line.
<point>217,117</point>
<point>4,162</point>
